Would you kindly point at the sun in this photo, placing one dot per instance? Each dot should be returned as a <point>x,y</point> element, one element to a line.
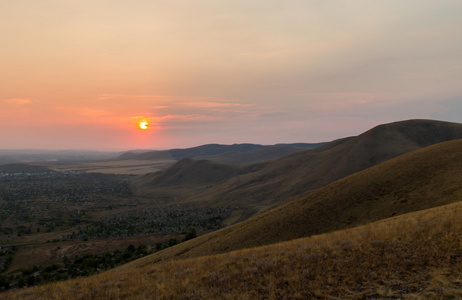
<point>143,125</point>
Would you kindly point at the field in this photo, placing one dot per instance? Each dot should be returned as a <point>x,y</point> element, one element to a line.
<point>125,167</point>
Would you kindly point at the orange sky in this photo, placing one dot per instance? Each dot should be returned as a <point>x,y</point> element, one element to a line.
<point>81,74</point>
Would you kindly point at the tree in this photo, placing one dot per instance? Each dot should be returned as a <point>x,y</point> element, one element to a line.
<point>172,242</point>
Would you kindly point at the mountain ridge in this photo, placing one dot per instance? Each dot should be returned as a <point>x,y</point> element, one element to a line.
<point>295,175</point>
<point>418,180</point>
<point>235,153</point>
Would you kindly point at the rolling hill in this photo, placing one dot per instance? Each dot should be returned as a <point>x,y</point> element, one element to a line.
<point>292,176</point>
<point>399,218</point>
<point>235,154</point>
<point>203,150</point>
<point>422,179</point>
<point>411,256</point>
<point>259,155</point>
<point>197,172</point>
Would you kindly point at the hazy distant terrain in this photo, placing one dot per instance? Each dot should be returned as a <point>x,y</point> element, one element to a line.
<point>235,154</point>
<point>139,162</point>
<point>23,168</point>
<point>8,156</point>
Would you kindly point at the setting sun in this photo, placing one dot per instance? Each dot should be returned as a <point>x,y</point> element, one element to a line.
<point>143,125</point>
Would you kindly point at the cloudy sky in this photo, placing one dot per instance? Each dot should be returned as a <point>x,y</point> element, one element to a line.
<point>81,74</point>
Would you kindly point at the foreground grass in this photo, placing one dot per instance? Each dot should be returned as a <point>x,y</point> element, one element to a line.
<point>413,256</point>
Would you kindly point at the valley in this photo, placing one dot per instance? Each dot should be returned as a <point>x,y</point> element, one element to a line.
<point>48,215</point>
<point>275,217</point>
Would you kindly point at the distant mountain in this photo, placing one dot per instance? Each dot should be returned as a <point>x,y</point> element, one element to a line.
<point>178,154</point>
<point>419,180</point>
<point>298,174</point>
<point>259,155</point>
<point>236,153</point>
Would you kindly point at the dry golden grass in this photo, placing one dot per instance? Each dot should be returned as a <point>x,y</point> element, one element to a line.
<point>413,256</point>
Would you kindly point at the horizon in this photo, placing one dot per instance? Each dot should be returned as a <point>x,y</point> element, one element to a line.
<point>31,150</point>
<point>84,75</point>
<point>128,150</point>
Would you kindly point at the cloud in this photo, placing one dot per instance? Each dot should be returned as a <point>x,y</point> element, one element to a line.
<point>211,104</point>
<point>334,103</point>
<point>187,112</point>
<point>192,118</point>
<point>126,96</point>
<point>200,109</point>
<point>19,101</point>
<point>84,114</point>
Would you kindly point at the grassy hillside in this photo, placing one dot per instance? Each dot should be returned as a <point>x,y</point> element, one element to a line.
<point>412,256</point>
<point>203,150</point>
<point>293,176</point>
<point>259,155</point>
<point>195,173</point>
<point>418,180</point>
<point>234,154</point>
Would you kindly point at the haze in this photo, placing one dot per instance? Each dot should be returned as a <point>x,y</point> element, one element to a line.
<point>81,74</point>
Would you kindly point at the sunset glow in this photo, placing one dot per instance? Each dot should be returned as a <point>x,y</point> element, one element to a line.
<point>83,72</point>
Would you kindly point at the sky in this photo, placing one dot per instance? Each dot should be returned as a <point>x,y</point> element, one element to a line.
<point>82,74</point>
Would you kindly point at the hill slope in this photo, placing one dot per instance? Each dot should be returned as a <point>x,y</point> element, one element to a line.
<point>418,180</point>
<point>259,155</point>
<point>298,174</point>
<point>234,154</point>
<point>196,172</point>
<point>203,150</point>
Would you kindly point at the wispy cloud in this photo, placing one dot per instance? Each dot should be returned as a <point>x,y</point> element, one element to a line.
<point>344,103</point>
<point>19,101</point>
<point>211,104</point>
<point>187,118</point>
<point>83,114</point>
<point>126,96</point>
<point>185,112</point>
<point>172,119</point>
